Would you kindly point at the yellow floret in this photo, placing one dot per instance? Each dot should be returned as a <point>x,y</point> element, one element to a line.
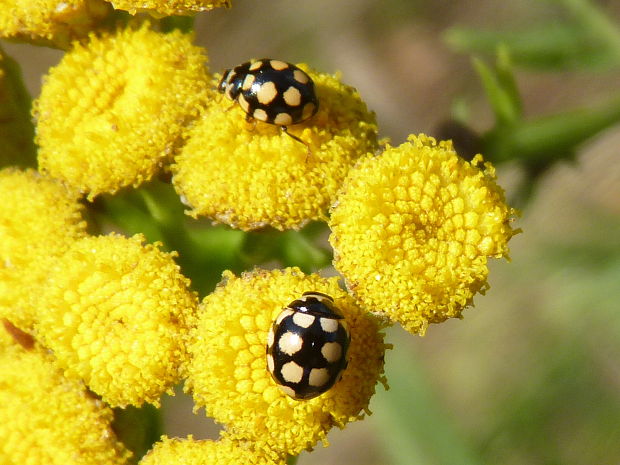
<point>249,174</point>
<point>225,451</point>
<point>115,312</point>
<point>227,372</point>
<point>50,21</point>
<point>39,218</point>
<point>46,418</point>
<point>113,111</point>
<point>412,230</point>
<point>168,7</point>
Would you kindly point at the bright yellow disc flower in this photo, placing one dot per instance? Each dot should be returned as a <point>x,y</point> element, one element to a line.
<point>115,312</point>
<point>227,372</point>
<point>50,21</point>
<point>113,111</point>
<point>250,175</point>
<point>168,7</point>
<point>46,418</point>
<point>225,451</point>
<point>39,218</point>
<point>412,230</point>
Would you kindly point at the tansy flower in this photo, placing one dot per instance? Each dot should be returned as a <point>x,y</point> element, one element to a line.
<point>168,7</point>
<point>412,230</point>
<point>114,312</point>
<point>50,21</point>
<point>46,418</point>
<point>39,218</point>
<point>225,451</point>
<point>227,372</point>
<point>112,112</point>
<point>250,175</point>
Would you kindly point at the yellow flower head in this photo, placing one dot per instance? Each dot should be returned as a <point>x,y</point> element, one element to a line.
<point>228,375</point>
<point>225,451</point>
<point>412,230</point>
<point>113,111</point>
<point>168,7</point>
<point>46,418</point>
<point>38,218</point>
<point>50,20</point>
<point>249,174</point>
<point>115,311</point>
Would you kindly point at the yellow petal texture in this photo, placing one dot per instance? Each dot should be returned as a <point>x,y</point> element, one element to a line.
<point>250,174</point>
<point>412,230</point>
<point>114,312</point>
<point>39,218</point>
<point>111,113</point>
<point>225,451</point>
<point>228,375</point>
<point>46,418</point>
<point>168,7</point>
<point>50,21</point>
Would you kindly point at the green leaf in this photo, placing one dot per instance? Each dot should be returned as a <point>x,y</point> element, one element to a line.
<point>417,428</point>
<point>501,91</point>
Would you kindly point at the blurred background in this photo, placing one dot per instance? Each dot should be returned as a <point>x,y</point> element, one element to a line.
<point>531,375</point>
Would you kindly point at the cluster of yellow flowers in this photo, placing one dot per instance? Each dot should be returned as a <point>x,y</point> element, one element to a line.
<point>100,321</point>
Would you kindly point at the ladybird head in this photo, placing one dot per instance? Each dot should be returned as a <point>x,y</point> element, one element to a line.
<point>317,304</point>
<point>230,84</point>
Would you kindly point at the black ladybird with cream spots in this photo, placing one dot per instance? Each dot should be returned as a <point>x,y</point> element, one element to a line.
<point>271,91</point>
<point>307,346</point>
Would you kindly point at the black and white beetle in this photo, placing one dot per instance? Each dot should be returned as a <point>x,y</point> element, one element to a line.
<point>271,91</point>
<point>307,346</point>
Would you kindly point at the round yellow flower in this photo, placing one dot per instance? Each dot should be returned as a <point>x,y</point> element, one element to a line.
<point>225,451</point>
<point>250,175</point>
<point>412,230</point>
<point>115,312</point>
<point>50,21</point>
<point>39,218</point>
<point>114,109</point>
<point>168,7</point>
<point>227,372</point>
<point>46,418</point>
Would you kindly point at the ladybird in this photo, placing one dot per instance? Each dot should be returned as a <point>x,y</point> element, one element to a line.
<point>271,91</point>
<point>307,346</point>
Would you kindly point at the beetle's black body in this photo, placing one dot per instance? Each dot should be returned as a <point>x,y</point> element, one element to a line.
<point>271,91</point>
<point>307,346</point>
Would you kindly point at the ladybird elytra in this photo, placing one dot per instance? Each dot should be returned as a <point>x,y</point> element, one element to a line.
<point>307,346</point>
<point>271,91</point>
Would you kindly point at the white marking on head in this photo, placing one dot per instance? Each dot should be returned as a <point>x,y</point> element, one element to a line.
<point>332,351</point>
<point>291,372</point>
<point>303,319</point>
<point>289,343</point>
<point>270,338</point>
<point>292,96</point>
<point>318,377</point>
<point>329,325</point>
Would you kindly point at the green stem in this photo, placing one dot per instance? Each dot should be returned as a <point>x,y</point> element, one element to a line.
<point>552,137</point>
<point>138,428</point>
<point>292,459</point>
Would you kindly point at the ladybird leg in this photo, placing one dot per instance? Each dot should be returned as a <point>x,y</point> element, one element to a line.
<point>285,130</point>
<point>250,119</point>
